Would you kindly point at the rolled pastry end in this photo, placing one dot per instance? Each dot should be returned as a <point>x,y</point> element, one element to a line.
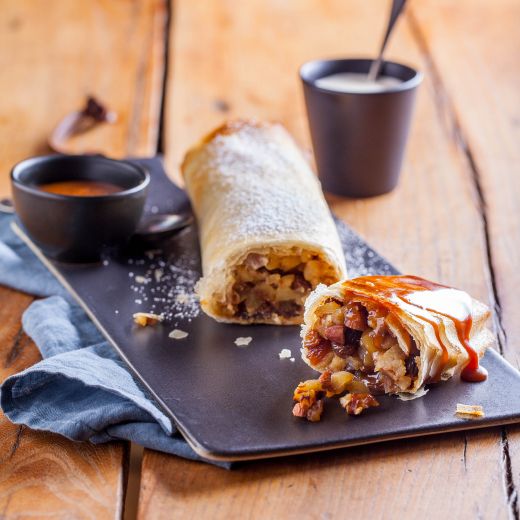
<point>266,233</point>
<point>395,333</point>
<point>268,285</point>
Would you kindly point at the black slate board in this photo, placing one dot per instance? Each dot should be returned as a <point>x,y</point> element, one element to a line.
<point>234,403</point>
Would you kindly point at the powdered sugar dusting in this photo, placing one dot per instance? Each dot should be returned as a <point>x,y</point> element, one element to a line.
<point>267,193</point>
<point>166,284</point>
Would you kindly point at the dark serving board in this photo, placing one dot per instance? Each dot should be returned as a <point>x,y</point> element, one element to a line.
<point>234,403</point>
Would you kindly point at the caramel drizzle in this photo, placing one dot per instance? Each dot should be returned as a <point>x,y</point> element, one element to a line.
<point>401,287</point>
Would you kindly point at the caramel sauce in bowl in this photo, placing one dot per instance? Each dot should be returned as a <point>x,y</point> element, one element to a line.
<point>75,206</point>
<point>81,188</point>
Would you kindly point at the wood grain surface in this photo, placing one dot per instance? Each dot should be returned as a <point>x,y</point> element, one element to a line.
<point>453,218</point>
<point>474,57</point>
<point>42,474</point>
<point>227,62</point>
<point>54,53</point>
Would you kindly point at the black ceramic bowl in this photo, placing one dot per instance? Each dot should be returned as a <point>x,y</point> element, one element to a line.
<point>72,228</point>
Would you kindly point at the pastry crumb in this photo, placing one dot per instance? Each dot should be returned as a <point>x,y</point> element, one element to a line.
<point>182,298</point>
<point>143,319</point>
<point>178,334</point>
<point>469,410</point>
<point>285,353</point>
<point>140,279</point>
<point>243,342</point>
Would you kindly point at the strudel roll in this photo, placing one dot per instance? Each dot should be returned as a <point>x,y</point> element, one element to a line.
<point>387,335</point>
<point>266,233</point>
<point>395,334</point>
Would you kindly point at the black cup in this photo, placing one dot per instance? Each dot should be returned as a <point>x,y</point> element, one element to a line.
<point>359,138</point>
<point>77,229</point>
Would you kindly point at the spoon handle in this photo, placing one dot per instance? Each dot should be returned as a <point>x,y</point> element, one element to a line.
<point>397,7</point>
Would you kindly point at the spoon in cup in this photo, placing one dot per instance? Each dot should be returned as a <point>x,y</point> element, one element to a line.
<point>375,68</point>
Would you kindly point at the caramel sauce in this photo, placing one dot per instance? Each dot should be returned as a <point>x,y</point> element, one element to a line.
<point>80,188</point>
<point>317,353</point>
<point>404,287</point>
<point>317,347</point>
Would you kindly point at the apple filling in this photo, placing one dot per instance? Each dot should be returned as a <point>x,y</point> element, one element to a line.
<point>368,341</point>
<point>269,286</point>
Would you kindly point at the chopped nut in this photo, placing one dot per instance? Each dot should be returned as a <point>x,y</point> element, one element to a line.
<point>299,410</point>
<point>469,410</point>
<point>140,279</point>
<point>311,413</point>
<point>335,383</point>
<point>143,319</point>
<point>305,395</point>
<point>325,381</point>
<point>178,334</point>
<point>243,342</point>
<point>315,411</point>
<point>354,404</point>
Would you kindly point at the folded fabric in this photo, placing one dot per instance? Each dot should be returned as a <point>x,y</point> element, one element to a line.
<point>81,389</point>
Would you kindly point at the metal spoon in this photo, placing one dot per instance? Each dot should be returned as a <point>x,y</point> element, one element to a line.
<point>159,226</point>
<point>375,68</point>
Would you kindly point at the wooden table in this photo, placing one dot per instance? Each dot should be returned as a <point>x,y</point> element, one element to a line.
<point>172,72</point>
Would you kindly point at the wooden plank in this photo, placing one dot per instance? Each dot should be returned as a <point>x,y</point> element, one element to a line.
<point>228,62</point>
<point>473,49</point>
<point>43,474</point>
<point>54,54</point>
<point>480,85</point>
<point>383,481</point>
<point>60,52</point>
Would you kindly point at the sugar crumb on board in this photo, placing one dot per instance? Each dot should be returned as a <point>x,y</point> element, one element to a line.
<point>178,334</point>
<point>285,353</point>
<point>166,284</point>
<point>243,341</point>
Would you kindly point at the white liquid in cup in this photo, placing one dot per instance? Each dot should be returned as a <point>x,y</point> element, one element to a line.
<point>356,83</point>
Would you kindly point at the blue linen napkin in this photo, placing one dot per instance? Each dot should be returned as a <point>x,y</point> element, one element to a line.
<point>81,389</point>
